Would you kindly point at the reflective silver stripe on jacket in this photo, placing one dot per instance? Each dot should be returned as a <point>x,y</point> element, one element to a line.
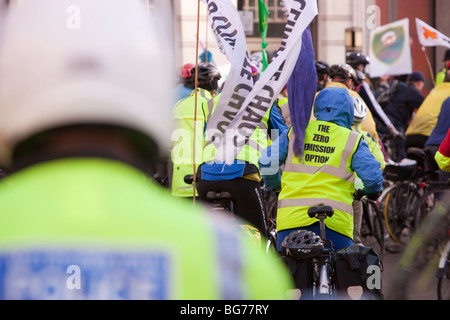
<point>311,202</point>
<point>339,172</point>
<point>230,277</point>
<point>210,103</point>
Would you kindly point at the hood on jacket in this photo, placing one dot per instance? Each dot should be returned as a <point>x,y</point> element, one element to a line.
<point>335,105</point>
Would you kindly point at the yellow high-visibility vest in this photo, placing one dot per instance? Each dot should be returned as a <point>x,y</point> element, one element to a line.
<point>182,151</point>
<point>322,176</point>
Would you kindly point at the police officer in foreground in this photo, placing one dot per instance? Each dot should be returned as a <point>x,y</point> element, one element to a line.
<point>81,116</point>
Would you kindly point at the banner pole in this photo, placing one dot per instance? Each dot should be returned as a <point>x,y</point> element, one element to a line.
<point>206,36</point>
<point>194,182</point>
<point>429,66</point>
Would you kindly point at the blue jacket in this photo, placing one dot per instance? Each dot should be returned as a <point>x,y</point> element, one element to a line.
<point>443,123</point>
<point>325,109</point>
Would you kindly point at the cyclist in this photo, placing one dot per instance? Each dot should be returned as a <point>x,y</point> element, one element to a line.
<point>360,113</point>
<point>357,61</point>
<point>185,85</point>
<point>242,178</point>
<point>184,113</point>
<point>420,128</point>
<point>79,218</point>
<point>441,75</point>
<point>325,172</point>
<point>402,107</point>
<point>343,76</point>
<point>443,154</point>
<point>323,74</point>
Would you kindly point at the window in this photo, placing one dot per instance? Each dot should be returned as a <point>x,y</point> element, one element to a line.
<point>275,7</point>
<point>277,18</point>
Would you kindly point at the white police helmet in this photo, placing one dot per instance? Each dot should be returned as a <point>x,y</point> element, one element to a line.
<point>65,62</point>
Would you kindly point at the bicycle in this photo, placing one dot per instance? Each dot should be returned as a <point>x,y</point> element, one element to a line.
<point>435,192</point>
<point>317,251</point>
<point>390,145</point>
<point>223,201</point>
<point>426,256</point>
<point>270,199</point>
<point>398,201</point>
<point>372,224</point>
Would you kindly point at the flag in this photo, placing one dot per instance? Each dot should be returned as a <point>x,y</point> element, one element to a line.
<point>263,23</point>
<point>430,37</point>
<point>241,105</point>
<point>390,51</point>
<point>286,6</point>
<point>302,88</point>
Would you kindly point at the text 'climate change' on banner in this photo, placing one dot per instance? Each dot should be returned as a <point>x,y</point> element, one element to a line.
<point>242,104</point>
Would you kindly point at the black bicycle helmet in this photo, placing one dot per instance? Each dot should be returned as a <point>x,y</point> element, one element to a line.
<point>302,244</point>
<point>322,67</point>
<point>356,58</point>
<point>206,72</point>
<point>208,76</point>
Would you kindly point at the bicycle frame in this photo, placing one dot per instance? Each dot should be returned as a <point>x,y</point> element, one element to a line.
<point>323,284</point>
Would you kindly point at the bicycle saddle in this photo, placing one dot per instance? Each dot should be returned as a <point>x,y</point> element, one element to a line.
<point>219,195</point>
<point>416,153</point>
<point>320,210</point>
<point>302,245</point>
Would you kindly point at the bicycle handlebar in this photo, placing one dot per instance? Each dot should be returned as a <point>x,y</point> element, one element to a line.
<point>359,194</point>
<point>189,179</point>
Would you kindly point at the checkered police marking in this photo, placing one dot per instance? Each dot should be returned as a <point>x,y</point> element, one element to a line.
<point>53,274</point>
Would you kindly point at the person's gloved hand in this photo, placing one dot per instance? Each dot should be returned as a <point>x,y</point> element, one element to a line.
<point>373,196</point>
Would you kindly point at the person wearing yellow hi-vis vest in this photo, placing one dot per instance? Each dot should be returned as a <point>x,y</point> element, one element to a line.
<point>325,172</point>
<point>80,218</point>
<point>188,124</point>
<point>440,77</point>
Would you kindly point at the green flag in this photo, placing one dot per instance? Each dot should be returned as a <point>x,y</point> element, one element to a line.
<point>263,15</point>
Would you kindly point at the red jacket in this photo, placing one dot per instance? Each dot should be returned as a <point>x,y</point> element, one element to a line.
<point>443,155</point>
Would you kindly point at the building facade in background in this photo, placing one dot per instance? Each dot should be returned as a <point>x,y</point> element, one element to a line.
<point>341,26</point>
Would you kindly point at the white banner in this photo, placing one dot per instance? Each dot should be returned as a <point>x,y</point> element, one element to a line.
<point>390,51</point>
<point>242,105</point>
<point>430,37</point>
<point>287,5</point>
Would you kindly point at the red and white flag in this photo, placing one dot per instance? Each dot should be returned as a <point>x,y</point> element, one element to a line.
<point>430,37</point>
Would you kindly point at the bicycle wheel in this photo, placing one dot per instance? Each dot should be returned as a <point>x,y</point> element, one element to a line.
<point>372,228</point>
<point>427,203</point>
<point>417,268</point>
<point>393,208</point>
<point>443,285</point>
<point>399,207</point>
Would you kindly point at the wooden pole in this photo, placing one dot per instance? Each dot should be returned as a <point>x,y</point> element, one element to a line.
<point>429,66</point>
<point>194,182</point>
<point>206,37</point>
